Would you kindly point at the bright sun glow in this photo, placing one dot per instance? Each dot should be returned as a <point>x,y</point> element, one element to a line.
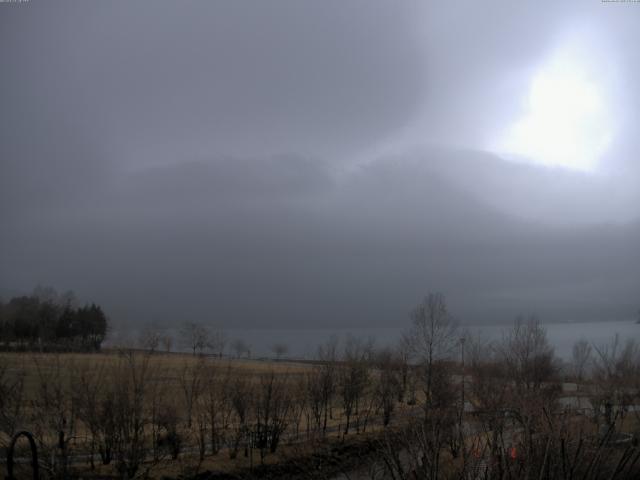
<point>565,122</point>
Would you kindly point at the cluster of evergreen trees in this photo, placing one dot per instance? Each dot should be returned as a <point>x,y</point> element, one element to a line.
<point>47,321</point>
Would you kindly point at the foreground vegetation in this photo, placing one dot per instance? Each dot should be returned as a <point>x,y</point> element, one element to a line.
<point>439,405</point>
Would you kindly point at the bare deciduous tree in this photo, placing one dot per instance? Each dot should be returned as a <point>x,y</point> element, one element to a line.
<point>191,384</point>
<point>279,349</point>
<point>88,397</point>
<point>527,354</point>
<point>327,378</point>
<point>12,412</point>
<point>387,385</point>
<point>271,408</point>
<point>169,436</point>
<point>432,337</point>
<point>53,409</point>
<point>195,337</point>
<point>298,393</point>
<point>215,403</point>
<point>240,396</point>
<point>130,383</point>
<point>217,342</point>
<point>581,356</point>
<point>402,356</point>
<point>167,342</point>
<point>617,375</point>
<point>353,376</point>
<point>315,394</point>
<point>150,338</point>
<point>529,363</point>
<point>240,347</point>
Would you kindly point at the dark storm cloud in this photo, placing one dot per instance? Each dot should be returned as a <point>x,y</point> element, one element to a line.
<point>186,77</point>
<point>293,246</point>
<point>142,164</point>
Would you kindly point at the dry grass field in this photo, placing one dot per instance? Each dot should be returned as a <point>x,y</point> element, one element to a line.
<point>33,367</point>
<point>189,413</point>
<point>136,414</point>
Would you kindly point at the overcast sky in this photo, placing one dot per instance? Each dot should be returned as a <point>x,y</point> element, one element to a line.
<point>294,163</point>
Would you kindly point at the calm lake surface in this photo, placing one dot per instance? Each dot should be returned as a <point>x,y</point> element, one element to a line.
<point>303,343</point>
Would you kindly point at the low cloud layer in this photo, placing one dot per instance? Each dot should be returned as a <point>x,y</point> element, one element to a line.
<point>305,164</point>
<point>288,243</point>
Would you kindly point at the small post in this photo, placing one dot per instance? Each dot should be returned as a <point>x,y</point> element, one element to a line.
<point>462,440</point>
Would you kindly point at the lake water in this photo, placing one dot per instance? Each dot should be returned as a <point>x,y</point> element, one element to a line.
<point>303,343</point>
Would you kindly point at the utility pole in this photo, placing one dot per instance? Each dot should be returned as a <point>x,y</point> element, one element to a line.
<point>461,428</point>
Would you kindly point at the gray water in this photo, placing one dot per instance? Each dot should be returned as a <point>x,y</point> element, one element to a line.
<point>303,343</point>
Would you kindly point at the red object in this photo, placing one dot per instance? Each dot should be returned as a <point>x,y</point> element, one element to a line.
<point>513,453</point>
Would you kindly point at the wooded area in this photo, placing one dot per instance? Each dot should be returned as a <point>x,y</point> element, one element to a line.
<point>46,321</point>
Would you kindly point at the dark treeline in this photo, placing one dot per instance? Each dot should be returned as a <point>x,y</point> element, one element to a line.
<point>46,321</point>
